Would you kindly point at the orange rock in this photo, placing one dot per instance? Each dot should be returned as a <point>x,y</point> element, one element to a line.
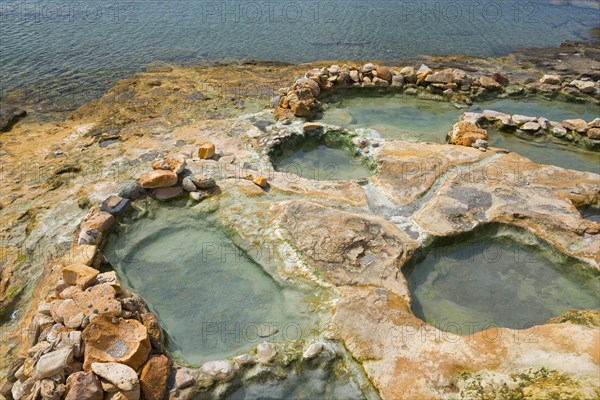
<point>80,254</point>
<point>79,274</point>
<point>384,73</point>
<point>261,181</point>
<point>173,163</point>
<point>101,221</point>
<point>466,133</point>
<point>311,126</point>
<point>124,342</point>
<point>150,321</point>
<point>157,179</point>
<point>153,379</point>
<point>206,151</point>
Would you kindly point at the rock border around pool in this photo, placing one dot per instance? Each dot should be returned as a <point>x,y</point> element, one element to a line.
<point>91,339</point>
<point>469,130</point>
<point>302,99</point>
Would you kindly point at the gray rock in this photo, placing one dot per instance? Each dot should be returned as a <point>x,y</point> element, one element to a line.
<point>10,116</point>
<point>188,184</point>
<point>203,182</point>
<point>521,119</point>
<point>368,67</point>
<point>53,363</point>
<point>115,205</point>
<point>132,190</point>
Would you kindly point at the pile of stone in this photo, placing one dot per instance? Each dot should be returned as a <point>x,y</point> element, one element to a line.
<point>576,87</point>
<point>170,178</point>
<point>575,130</point>
<point>301,100</point>
<point>90,339</point>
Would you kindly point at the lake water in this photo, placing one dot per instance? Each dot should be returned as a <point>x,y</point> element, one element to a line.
<point>71,51</point>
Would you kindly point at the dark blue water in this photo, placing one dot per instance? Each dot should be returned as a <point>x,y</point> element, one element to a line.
<point>73,50</point>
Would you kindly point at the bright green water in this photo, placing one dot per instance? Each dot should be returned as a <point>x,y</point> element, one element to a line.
<point>494,281</point>
<point>211,298</point>
<point>322,163</point>
<point>409,118</point>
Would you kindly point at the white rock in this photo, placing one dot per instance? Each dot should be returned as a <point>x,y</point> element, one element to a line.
<point>222,370</point>
<point>313,350</point>
<point>266,352</point>
<point>530,127</point>
<point>584,86</point>
<point>473,117</point>
<point>521,119</point>
<point>551,79</point>
<point>183,378</point>
<point>120,375</point>
<point>244,359</point>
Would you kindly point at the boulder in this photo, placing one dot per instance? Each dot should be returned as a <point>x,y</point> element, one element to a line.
<point>101,221</point>
<point>397,80</point>
<point>266,352</point>
<point>544,123</point>
<point>502,80</point>
<point>384,73</point>
<point>244,359</point>
<point>522,119</point>
<point>311,126</point>
<point>460,77</point>
<point>79,274</point>
<point>309,84</point>
<point>354,75</point>
<point>594,133</point>
<point>120,375</point>
<point>154,376</point>
<point>158,179</point>
<point>206,151</point>
<point>409,74</point>
<point>188,185</point>
<point>80,254</point>
<point>84,386</point>
<point>89,236</point>
<point>261,181</point>
<point>167,193</point>
<point>465,133</point>
<point>183,378</point>
<point>491,115</point>
<point>53,363</point>
<point>173,163</point>
<point>489,83</point>
<point>577,125</point>
<point>313,350</point>
<point>125,342</point>
<point>203,181</point>
<point>530,127</point>
<point>445,76</point>
<point>473,117</point>
<point>368,67</point>
<point>115,205</point>
<point>132,190</point>
<point>588,87</point>
<point>551,79</point>
<point>423,72</point>
<point>595,123</point>
<point>222,371</point>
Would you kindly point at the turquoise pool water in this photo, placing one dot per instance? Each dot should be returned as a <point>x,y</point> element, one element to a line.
<point>492,280</point>
<point>322,163</point>
<point>211,298</point>
<point>409,118</point>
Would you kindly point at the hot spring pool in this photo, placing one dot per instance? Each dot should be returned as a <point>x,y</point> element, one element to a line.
<point>490,280</point>
<point>212,299</point>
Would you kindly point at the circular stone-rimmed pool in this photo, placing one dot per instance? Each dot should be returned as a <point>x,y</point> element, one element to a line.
<point>497,277</point>
<point>328,156</point>
<point>212,298</point>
